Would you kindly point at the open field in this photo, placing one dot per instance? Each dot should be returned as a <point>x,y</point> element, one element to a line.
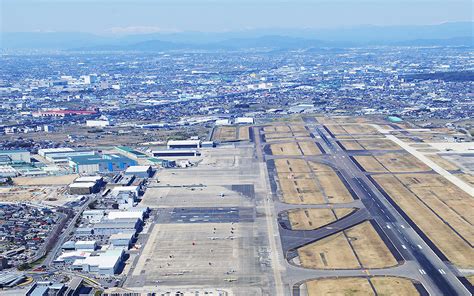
<point>458,251</point>
<point>332,252</point>
<point>316,183</point>
<point>277,129</point>
<point>351,145</point>
<point>358,247</point>
<point>300,191</point>
<point>351,129</point>
<point>401,162</point>
<point>292,166</point>
<point>370,164</point>
<point>286,149</point>
<point>442,162</point>
<point>379,144</point>
<point>392,162</point>
<point>449,202</point>
<point>45,181</point>
<point>341,119</point>
<point>334,189</point>
<point>309,148</point>
<point>369,247</point>
<point>292,139</point>
<point>278,136</point>
<point>386,286</point>
<point>225,133</point>
<point>308,219</point>
<point>468,178</point>
<point>244,134</point>
<point>298,128</point>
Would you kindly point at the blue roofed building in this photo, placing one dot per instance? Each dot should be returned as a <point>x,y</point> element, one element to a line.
<point>100,163</point>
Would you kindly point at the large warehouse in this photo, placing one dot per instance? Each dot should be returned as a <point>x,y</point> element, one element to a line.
<point>105,163</point>
<point>16,156</point>
<point>184,144</point>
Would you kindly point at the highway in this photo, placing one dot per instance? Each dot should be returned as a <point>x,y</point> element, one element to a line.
<point>435,274</point>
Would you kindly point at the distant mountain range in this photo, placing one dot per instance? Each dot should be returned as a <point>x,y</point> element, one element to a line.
<point>447,34</point>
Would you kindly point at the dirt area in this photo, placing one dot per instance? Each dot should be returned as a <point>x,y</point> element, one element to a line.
<point>351,145</point>
<point>309,148</point>
<point>393,286</point>
<point>300,191</point>
<point>341,119</point>
<point>392,162</point>
<point>332,252</point>
<point>291,166</point>
<point>339,287</point>
<point>301,184</point>
<point>45,181</point>
<point>273,140</point>
<point>442,162</point>
<point>458,251</point>
<point>334,189</point>
<point>358,247</point>
<point>244,134</point>
<point>402,162</point>
<point>379,144</point>
<point>225,133</point>
<point>369,247</point>
<point>298,128</point>
<point>386,286</point>
<point>285,149</point>
<point>278,136</point>
<point>453,205</point>
<point>277,129</point>
<point>471,279</point>
<point>308,219</point>
<point>370,164</point>
<point>468,178</point>
<point>53,195</point>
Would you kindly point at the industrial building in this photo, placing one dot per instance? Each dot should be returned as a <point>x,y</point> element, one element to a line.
<point>109,227</point>
<point>63,157</point>
<point>87,179</point>
<point>139,171</point>
<point>106,263</point>
<point>176,153</point>
<point>103,163</point>
<point>123,239</point>
<point>131,153</point>
<point>44,152</point>
<point>94,216</point>
<point>184,144</point>
<point>84,188</point>
<point>244,120</point>
<point>15,156</point>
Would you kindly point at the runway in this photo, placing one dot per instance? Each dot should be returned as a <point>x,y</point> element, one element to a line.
<point>421,263</point>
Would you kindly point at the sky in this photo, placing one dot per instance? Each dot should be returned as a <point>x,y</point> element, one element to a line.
<point>147,16</point>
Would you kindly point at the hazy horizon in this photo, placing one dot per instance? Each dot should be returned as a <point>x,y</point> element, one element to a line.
<point>147,16</point>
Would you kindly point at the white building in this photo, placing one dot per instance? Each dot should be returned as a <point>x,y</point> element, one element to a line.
<point>244,120</point>
<point>86,245</point>
<point>125,215</point>
<point>94,216</point>
<point>97,123</point>
<point>123,239</point>
<point>223,122</point>
<point>106,263</point>
<point>184,144</point>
